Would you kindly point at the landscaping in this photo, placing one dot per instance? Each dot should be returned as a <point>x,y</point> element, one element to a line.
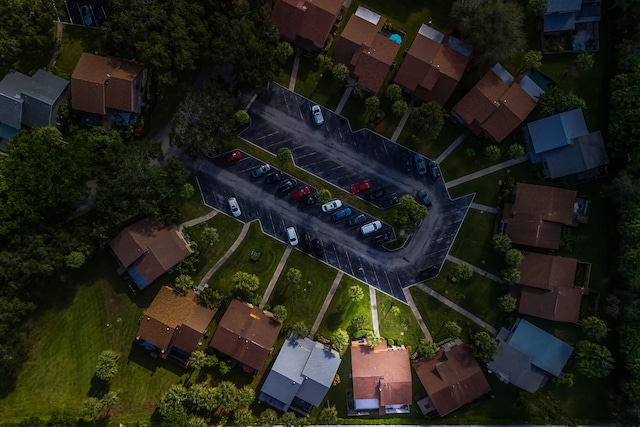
<point>342,310</point>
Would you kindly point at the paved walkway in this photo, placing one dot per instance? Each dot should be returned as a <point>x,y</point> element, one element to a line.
<point>457,308</point>
<point>325,304</point>
<point>275,277</point>
<point>198,220</point>
<point>487,171</point>
<point>374,310</point>
<point>225,257</point>
<point>344,99</point>
<point>452,147</point>
<point>403,121</point>
<point>477,270</point>
<point>294,71</point>
<point>416,313</point>
<point>56,47</point>
<point>485,208</point>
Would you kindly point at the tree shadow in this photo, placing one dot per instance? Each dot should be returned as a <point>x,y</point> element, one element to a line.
<point>334,320</point>
<point>142,357</point>
<point>98,387</point>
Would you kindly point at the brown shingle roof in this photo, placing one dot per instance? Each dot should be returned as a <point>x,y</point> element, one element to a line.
<point>452,379</point>
<point>246,334</point>
<point>299,20</point>
<point>151,248</point>
<point>381,373</point>
<point>515,106</point>
<point>546,271</point>
<point>373,64</point>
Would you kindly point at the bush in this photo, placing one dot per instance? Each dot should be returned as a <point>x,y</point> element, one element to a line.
<point>399,107</point>
<point>515,151</point>
<point>241,117</point>
<point>393,92</point>
<point>492,153</point>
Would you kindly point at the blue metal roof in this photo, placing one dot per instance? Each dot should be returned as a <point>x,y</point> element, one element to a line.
<point>557,131</point>
<point>559,22</point>
<point>556,6</point>
<point>137,278</point>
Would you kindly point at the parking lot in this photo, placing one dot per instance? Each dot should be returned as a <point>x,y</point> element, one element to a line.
<point>336,154</point>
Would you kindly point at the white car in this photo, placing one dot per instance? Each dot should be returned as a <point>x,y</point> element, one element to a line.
<point>292,235</point>
<point>235,208</point>
<point>332,205</point>
<point>317,114</point>
<point>370,228</point>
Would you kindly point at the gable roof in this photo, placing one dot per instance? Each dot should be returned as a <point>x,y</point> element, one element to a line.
<point>557,131</point>
<point>150,249</point>
<point>559,6</point>
<point>373,62</point>
<point>305,20</point>
<point>452,378</point>
<point>382,373</point>
<point>246,333</point>
<point>11,100</point>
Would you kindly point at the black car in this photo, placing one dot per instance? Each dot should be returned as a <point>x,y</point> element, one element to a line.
<point>386,203</point>
<point>357,220</point>
<point>383,237</point>
<point>273,177</point>
<point>317,248</point>
<point>434,171</point>
<point>375,194</point>
<point>309,201</point>
<point>424,198</point>
<point>406,159</point>
<point>288,186</point>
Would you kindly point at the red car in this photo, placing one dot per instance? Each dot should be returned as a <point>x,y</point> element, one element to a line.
<point>363,186</point>
<point>232,157</point>
<point>304,191</point>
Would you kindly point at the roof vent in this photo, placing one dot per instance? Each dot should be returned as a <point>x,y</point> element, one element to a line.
<point>167,328</point>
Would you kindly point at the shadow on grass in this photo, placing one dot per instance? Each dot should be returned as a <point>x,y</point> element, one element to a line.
<point>98,387</point>
<point>141,357</point>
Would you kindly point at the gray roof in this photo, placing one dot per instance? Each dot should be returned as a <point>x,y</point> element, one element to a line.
<point>459,46</point>
<point>530,87</point>
<point>514,367</point>
<point>504,75</point>
<point>557,131</point>
<point>431,33</point>
<point>11,101</point>
<point>559,22</point>
<point>584,154</point>
<point>558,6</point>
<point>368,15</point>
<point>46,87</point>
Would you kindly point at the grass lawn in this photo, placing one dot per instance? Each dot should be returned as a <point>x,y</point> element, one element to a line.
<point>312,84</point>
<point>284,76</point>
<point>342,310</point>
<point>473,243</point>
<point>194,206</point>
<point>355,111</point>
<point>402,327</point>
<point>303,300</point>
<point>77,39</point>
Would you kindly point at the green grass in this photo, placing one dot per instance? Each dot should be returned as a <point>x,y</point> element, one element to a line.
<point>473,243</point>
<point>355,111</point>
<point>342,310</point>
<point>404,326</point>
<point>303,300</point>
<point>77,39</point>
<point>194,206</point>
<point>312,84</point>
<point>284,76</point>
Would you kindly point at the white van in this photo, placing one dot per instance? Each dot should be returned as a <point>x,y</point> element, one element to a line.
<point>370,228</point>
<point>292,235</point>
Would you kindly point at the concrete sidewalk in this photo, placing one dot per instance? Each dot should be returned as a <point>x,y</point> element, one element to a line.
<point>477,270</point>
<point>374,310</point>
<point>225,257</point>
<point>275,277</point>
<point>451,147</point>
<point>402,122</point>
<point>198,220</point>
<point>344,99</point>
<point>487,171</point>
<point>325,304</point>
<point>294,71</point>
<point>485,208</point>
<point>416,313</point>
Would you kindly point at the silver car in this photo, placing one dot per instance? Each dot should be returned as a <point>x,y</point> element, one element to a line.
<point>235,208</point>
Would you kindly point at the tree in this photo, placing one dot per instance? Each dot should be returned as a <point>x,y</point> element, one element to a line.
<point>241,118</point>
<point>300,329</point>
<point>284,155</point>
<point>494,28</point>
<point>394,310</point>
<point>409,213</point>
<point>511,275</point>
<point>513,257</point>
<point>452,329</point>
<point>198,360</point>
<point>340,73</point>
<point>245,284</point>
<point>464,271</point>
<point>289,419</point>
<point>26,26</point>
<point>507,303</point>
<point>268,418</point>
<point>515,151</point>
<point>425,349</point>
<point>279,313</point>
<point>107,366</point>
<point>501,243</point>
<point>555,100</point>
<point>324,63</point>
<point>75,259</point>
<point>211,298</point>
<point>372,103</point>
<point>584,61</point>
<point>492,153</point>
<point>399,107</point>
<point>173,400</point>
<point>243,417</point>
<point>110,400</point>
<point>426,121</point>
<point>245,396</point>
<point>340,340</point>
<point>175,418</point>
<point>197,422</point>
<point>532,59</point>
<point>294,276</point>
<point>91,407</point>
<point>226,396</point>
<point>356,294</point>
<point>393,92</point>
<point>594,327</point>
<point>183,283</point>
<point>187,191</point>
<point>328,415</point>
<point>537,7</point>
<point>324,195</point>
<point>593,360</point>
<point>483,346</point>
<point>210,235</point>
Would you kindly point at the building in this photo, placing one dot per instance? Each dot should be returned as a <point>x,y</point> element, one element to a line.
<point>306,23</point>
<point>246,334</point>
<point>381,378</point>
<point>498,103</point>
<point>537,214</point>
<point>433,66</point>
<point>367,49</point>
<point>563,145</point>
<point>452,379</point>
<point>147,250</point>
<point>110,90</point>
<point>571,26</point>
<point>29,101</point>
<point>301,375</point>
<point>527,355</point>
<point>547,287</point>
<point>174,324</point>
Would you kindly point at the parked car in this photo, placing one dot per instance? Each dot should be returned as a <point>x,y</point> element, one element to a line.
<point>341,214</point>
<point>382,237</point>
<point>309,201</point>
<point>292,235</point>
<point>363,186</point>
<point>434,170</point>
<point>386,203</point>
<point>406,159</point>
<point>331,205</point>
<point>318,250</point>
<point>370,228</point>
<point>86,16</point>
<point>235,208</point>
<point>304,191</point>
<point>260,171</point>
<point>419,160</point>
<point>232,157</point>
<point>273,177</point>
<point>376,194</point>
<point>424,198</point>
<point>288,186</point>
<point>357,220</point>
<point>317,114</point>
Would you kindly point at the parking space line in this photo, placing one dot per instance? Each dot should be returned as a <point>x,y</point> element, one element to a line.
<point>387,277</point>
<point>349,261</point>
<point>337,257</point>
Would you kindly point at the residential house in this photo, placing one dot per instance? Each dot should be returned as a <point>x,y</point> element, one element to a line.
<point>147,250</point>
<point>527,356</point>
<point>174,324</point>
<point>381,378</point>
<point>246,334</point>
<point>433,66</point>
<point>109,89</point>
<point>498,103</point>
<point>571,26</point>
<point>29,101</point>
<point>452,379</point>
<point>301,375</point>
<point>537,214</point>
<point>547,287</point>
<point>367,49</point>
<point>305,23</point>
<point>563,145</point>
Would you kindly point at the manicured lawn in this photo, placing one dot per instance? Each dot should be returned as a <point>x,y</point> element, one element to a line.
<point>312,84</point>
<point>303,300</point>
<point>473,243</point>
<point>403,326</point>
<point>355,111</point>
<point>194,206</point>
<point>459,164</point>
<point>342,310</point>
<point>284,76</point>
<point>77,39</point>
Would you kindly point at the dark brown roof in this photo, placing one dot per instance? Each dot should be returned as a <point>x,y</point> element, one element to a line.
<point>373,64</point>
<point>246,334</point>
<point>174,319</point>
<point>305,19</point>
<point>546,271</point>
<point>515,106</point>
<point>452,379</point>
<point>100,82</point>
<point>559,304</point>
<point>381,373</point>
<point>152,248</point>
